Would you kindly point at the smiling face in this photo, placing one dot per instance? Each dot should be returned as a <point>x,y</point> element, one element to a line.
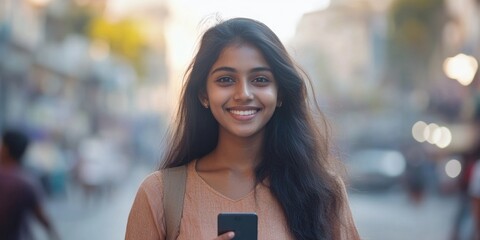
<point>241,91</point>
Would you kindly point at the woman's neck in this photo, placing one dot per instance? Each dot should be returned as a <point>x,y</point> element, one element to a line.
<point>230,167</point>
<point>237,154</point>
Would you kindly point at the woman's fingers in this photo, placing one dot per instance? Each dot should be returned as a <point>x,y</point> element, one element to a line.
<point>226,236</point>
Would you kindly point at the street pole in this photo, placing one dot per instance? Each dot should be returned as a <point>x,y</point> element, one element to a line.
<point>5,36</point>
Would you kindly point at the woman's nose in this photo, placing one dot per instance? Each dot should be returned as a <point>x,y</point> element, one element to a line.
<point>243,91</point>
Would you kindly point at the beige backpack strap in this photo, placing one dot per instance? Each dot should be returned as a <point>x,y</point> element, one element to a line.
<point>174,183</point>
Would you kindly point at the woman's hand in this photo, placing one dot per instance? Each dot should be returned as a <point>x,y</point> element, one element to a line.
<point>225,236</point>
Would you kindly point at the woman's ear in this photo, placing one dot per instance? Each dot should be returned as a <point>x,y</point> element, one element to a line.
<point>202,96</point>
<point>279,101</point>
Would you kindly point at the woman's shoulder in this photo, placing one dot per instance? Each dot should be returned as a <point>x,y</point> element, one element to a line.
<point>153,183</point>
<point>154,177</point>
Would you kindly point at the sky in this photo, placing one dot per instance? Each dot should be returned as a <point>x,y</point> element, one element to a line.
<point>280,15</point>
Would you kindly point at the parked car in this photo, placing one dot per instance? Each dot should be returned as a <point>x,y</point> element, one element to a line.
<point>375,169</point>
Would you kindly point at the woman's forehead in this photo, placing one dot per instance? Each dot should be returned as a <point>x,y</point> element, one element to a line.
<point>243,56</point>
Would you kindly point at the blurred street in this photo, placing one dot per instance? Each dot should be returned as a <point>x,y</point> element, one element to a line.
<point>94,85</point>
<point>77,218</point>
<point>391,216</point>
<point>387,215</point>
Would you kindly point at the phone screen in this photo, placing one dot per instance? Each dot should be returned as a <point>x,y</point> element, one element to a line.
<point>245,225</point>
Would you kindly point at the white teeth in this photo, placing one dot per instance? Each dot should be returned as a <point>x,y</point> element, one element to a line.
<point>243,113</point>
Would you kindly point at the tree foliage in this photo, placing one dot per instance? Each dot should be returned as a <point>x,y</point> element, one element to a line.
<point>124,38</point>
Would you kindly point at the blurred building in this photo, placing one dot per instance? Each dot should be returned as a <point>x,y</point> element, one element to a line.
<point>73,70</point>
<point>343,48</point>
<point>379,67</point>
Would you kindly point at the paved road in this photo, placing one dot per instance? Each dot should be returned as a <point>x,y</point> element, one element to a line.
<point>79,218</point>
<point>381,216</point>
<point>391,216</point>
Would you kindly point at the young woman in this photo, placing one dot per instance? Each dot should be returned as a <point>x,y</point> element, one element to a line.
<point>247,136</point>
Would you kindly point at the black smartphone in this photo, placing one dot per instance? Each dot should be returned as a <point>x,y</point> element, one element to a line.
<point>244,225</point>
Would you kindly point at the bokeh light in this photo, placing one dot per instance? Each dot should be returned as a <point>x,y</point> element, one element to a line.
<point>453,168</point>
<point>440,136</point>
<point>445,137</point>
<point>418,130</point>
<point>461,68</point>
<point>394,164</point>
<point>428,133</point>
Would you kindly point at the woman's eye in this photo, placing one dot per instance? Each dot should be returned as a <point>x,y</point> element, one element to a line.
<point>225,80</point>
<point>261,80</point>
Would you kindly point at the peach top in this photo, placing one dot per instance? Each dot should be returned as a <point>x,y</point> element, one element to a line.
<point>201,206</point>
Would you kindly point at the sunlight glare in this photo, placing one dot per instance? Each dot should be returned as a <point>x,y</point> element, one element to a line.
<point>187,21</point>
<point>281,16</point>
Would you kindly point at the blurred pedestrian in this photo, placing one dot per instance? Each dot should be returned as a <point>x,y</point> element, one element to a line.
<point>248,141</point>
<point>474,191</point>
<point>416,172</point>
<point>99,168</point>
<point>19,194</point>
<point>461,222</point>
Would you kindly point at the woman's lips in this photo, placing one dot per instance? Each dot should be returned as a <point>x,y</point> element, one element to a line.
<point>243,114</point>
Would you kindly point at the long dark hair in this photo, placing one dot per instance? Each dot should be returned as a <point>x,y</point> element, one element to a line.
<point>295,151</point>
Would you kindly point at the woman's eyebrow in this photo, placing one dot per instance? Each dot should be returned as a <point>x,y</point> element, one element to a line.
<point>233,70</point>
<point>226,69</point>
<point>261,69</point>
